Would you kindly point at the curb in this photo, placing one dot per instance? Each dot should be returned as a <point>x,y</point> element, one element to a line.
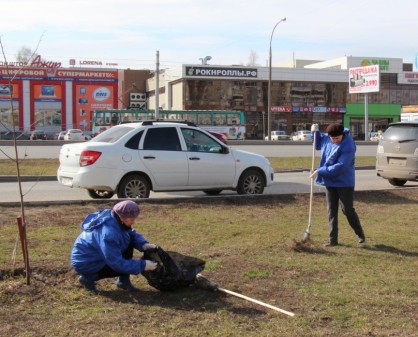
<point>11,179</point>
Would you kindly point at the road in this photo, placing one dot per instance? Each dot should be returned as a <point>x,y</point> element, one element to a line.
<point>284,183</point>
<point>268,149</point>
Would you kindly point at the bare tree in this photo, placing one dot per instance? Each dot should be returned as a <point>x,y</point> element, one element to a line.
<point>252,59</point>
<point>26,56</point>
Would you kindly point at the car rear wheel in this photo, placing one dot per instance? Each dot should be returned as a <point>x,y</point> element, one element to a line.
<point>397,182</point>
<point>213,192</point>
<point>97,194</point>
<point>134,186</point>
<point>251,182</point>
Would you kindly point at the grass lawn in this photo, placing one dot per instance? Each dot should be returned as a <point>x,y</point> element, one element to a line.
<point>248,243</point>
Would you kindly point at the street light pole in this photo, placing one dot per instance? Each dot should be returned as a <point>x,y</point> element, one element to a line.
<point>264,126</point>
<point>269,86</point>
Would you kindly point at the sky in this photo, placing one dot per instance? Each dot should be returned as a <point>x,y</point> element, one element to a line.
<point>130,32</point>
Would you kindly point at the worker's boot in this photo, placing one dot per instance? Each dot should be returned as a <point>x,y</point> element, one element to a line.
<point>89,283</point>
<point>123,282</point>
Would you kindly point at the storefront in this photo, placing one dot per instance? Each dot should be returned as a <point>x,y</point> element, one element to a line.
<point>54,98</point>
<point>379,117</point>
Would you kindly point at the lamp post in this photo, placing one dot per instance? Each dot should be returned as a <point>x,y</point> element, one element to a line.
<point>269,86</point>
<point>264,126</point>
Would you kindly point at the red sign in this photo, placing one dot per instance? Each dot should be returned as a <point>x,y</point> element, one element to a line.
<point>281,109</point>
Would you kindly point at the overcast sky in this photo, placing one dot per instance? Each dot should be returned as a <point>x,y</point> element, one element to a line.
<point>129,32</point>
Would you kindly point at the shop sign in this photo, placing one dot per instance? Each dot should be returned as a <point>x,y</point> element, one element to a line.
<point>337,109</point>
<point>101,94</point>
<point>302,109</point>
<point>195,71</point>
<point>91,63</point>
<point>281,109</point>
<point>49,65</point>
<point>383,64</point>
<point>408,78</point>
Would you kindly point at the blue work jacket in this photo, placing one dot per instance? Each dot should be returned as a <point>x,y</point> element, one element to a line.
<point>337,165</point>
<point>102,242</point>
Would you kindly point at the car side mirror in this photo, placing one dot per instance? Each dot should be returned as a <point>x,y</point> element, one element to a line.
<point>225,150</point>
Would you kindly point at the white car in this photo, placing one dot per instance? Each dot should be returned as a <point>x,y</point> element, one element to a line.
<point>74,134</point>
<point>302,135</point>
<point>131,160</point>
<point>375,136</point>
<point>278,135</point>
<point>61,135</point>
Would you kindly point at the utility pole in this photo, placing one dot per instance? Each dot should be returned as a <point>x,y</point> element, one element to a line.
<point>157,87</point>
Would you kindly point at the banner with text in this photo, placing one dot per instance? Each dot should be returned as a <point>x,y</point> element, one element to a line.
<point>364,79</point>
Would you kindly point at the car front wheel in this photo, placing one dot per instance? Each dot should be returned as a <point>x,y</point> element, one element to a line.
<point>134,186</point>
<point>251,182</point>
<point>97,194</point>
<point>397,182</point>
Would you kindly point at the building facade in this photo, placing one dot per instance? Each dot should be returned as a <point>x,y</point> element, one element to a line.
<point>317,92</point>
<point>46,96</point>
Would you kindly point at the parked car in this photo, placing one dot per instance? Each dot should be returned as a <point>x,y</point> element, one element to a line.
<point>74,134</point>
<point>38,135</point>
<point>375,136</point>
<point>61,135</point>
<point>131,160</point>
<point>278,135</point>
<point>87,135</point>
<point>9,135</point>
<point>397,153</point>
<point>301,135</point>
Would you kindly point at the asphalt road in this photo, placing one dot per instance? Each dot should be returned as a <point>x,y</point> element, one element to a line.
<point>51,149</point>
<point>284,183</point>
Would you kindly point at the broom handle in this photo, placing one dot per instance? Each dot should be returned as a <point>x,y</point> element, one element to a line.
<point>312,181</point>
<point>256,301</point>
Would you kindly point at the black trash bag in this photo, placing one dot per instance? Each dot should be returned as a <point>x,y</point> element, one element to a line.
<point>174,270</point>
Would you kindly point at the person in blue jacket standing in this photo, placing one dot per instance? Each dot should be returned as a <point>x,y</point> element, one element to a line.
<point>106,245</point>
<point>337,173</point>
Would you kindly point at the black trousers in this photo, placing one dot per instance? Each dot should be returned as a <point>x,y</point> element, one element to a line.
<point>107,272</point>
<point>343,196</point>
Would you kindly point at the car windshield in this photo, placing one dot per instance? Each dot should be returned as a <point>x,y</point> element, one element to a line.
<point>401,132</point>
<point>113,134</point>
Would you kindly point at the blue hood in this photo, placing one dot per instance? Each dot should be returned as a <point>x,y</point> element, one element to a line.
<point>96,220</point>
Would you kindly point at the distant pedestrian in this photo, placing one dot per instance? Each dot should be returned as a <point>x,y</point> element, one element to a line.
<point>336,172</point>
<point>106,245</point>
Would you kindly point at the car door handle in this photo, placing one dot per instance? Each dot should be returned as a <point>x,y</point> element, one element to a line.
<point>194,158</point>
<point>149,157</point>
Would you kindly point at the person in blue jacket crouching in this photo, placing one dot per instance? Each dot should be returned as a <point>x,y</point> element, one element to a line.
<point>106,245</point>
<point>336,172</point>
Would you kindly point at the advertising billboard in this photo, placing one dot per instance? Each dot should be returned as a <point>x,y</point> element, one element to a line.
<point>364,79</point>
<point>89,98</point>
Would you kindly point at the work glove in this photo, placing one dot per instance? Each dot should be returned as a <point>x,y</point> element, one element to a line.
<point>313,174</point>
<point>149,247</point>
<point>315,127</point>
<point>150,265</point>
